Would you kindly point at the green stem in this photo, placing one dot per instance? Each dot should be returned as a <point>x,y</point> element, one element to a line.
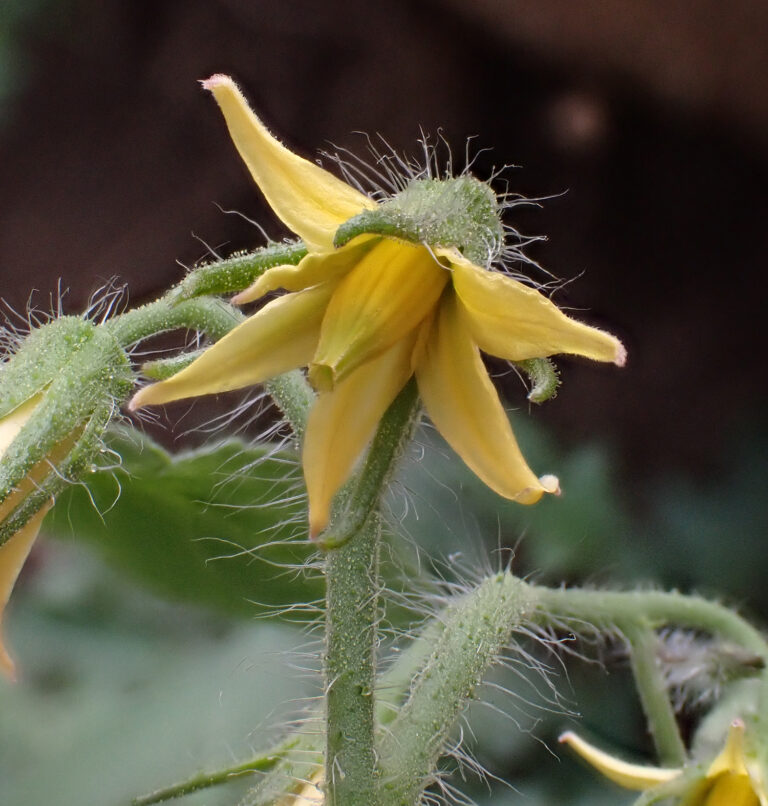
<point>608,609</point>
<point>477,626</point>
<point>237,272</point>
<point>362,496</point>
<point>262,763</point>
<point>352,589</point>
<point>652,689</point>
<point>294,397</point>
<point>213,317</point>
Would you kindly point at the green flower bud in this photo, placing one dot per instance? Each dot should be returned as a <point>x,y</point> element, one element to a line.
<point>57,395</point>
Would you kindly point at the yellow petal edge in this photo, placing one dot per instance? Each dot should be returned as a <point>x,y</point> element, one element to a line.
<point>630,776</point>
<point>304,196</point>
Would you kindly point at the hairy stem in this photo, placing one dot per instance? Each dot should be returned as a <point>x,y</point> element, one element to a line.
<point>608,609</point>
<point>261,763</point>
<point>351,619</point>
<point>652,689</point>
<point>213,317</point>
<point>477,626</point>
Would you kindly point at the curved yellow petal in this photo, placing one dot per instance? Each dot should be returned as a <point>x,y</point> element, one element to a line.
<point>730,789</point>
<point>305,197</point>
<point>385,297</point>
<point>731,758</point>
<point>511,320</point>
<point>12,556</point>
<point>342,422</point>
<point>281,336</point>
<point>630,776</point>
<point>316,267</point>
<point>14,421</point>
<point>463,405</point>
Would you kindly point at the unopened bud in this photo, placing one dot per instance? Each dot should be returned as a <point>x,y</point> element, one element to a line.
<point>57,395</point>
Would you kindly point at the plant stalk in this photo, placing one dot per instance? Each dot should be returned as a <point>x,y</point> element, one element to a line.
<point>351,619</point>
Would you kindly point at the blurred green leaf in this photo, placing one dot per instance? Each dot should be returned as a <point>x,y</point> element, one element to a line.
<point>585,530</point>
<point>223,527</point>
<point>121,693</point>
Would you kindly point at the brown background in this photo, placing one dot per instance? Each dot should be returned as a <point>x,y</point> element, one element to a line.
<point>646,123</point>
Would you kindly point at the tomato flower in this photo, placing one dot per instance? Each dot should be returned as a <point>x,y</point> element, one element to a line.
<point>388,290</point>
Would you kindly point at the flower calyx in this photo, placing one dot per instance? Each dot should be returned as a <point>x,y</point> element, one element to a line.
<point>458,212</point>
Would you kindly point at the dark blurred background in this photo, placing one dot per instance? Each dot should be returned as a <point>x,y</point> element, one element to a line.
<point>645,123</point>
<point>648,125</point>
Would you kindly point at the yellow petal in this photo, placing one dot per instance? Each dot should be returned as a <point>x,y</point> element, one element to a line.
<point>630,776</point>
<point>730,789</point>
<point>281,336</point>
<point>385,297</point>
<point>731,758</point>
<point>316,267</point>
<point>305,197</point>
<point>13,553</point>
<point>12,423</point>
<point>464,406</point>
<point>342,422</point>
<point>511,320</point>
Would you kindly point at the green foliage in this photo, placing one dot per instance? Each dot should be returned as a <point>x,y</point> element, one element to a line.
<point>222,527</point>
<point>121,693</point>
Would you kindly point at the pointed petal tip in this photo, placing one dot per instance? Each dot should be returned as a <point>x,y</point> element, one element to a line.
<point>244,296</point>
<point>317,525</point>
<point>216,80</point>
<point>551,484</point>
<point>134,404</point>
<point>621,354</point>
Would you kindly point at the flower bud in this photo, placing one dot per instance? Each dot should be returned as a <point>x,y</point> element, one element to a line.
<point>57,395</point>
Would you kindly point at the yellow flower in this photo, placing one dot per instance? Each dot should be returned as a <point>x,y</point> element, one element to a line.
<point>732,779</point>
<point>366,316</point>
<point>14,552</point>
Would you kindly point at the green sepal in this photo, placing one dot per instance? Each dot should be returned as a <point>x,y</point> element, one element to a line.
<point>82,376</point>
<point>460,212</point>
<point>39,358</point>
<point>164,368</point>
<point>80,460</point>
<point>237,272</point>
<point>88,370</point>
<point>544,378</point>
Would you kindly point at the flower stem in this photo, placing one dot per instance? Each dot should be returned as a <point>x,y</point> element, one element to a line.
<point>476,627</point>
<point>652,689</point>
<point>610,609</point>
<point>351,618</point>
<point>213,317</point>
<point>262,763</point>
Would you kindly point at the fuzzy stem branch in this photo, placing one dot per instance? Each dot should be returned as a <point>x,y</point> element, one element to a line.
<point>476,628</point>
<point>652,689</point>
<point>609,609</point>
<point>262,763</point>
<point>213,317</point>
